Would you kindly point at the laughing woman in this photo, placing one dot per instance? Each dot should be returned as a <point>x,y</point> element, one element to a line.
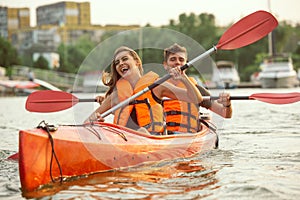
<point>145,112</point>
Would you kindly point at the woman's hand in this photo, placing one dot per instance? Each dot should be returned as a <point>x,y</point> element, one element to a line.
<point>95,117</point>
<point>100,99</point>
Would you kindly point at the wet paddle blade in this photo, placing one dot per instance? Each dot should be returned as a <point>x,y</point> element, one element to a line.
<point>277,98</point>
<point>247,30</point>
<point>14,157</point>
<point>50,101</point>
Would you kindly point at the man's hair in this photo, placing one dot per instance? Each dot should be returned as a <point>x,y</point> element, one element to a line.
<point>175,48</point>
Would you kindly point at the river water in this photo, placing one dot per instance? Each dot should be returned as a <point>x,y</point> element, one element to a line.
<point>258,158</point>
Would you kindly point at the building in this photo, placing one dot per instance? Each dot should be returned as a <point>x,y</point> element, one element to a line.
<point>64,14</point>
<point>61,22</point>
<point>13,19</point>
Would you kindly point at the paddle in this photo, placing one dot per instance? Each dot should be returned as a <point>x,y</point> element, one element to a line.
<point>13,157</point>
<point>51,101</point>
<point>246,31</point>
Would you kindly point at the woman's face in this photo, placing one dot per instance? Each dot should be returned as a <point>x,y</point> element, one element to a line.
<point>125,64</point>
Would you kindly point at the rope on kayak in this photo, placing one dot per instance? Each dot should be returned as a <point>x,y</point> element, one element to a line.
<point>114,130</point>
<point>211,126</point>
<point>90,127</point>
<point>94,131</point>
<point>49,128</point>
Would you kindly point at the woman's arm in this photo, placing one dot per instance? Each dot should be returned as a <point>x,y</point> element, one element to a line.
<point>106,104</point>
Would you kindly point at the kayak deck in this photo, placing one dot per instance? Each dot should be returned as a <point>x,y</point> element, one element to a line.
<point>46,156</point>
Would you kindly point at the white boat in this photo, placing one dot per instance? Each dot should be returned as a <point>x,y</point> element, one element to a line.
<point>225,75</point>
<point>278,72</point>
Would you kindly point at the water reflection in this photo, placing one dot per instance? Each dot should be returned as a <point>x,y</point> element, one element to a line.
<point>188,177</point>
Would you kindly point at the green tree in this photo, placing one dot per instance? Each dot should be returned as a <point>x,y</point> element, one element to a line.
<point>296,57</point>
<point>71,56</point>
<point>201,27</point>
<point>294,42</point>
<point>41,63</point>
<point>283,38</point>
<point>8,54</point>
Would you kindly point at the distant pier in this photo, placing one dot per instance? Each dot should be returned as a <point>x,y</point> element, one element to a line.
<point>249,85</point>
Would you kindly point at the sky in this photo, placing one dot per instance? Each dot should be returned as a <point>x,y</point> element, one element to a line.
<point>160,12</point>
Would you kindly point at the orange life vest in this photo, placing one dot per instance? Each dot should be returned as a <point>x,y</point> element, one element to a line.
<point>181,116</point>
<point>149,112</point>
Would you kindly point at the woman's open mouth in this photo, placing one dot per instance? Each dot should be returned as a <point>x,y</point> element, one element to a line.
<point>124,69</point>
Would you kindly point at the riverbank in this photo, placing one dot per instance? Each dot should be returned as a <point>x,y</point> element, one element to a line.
<point>249,85</point>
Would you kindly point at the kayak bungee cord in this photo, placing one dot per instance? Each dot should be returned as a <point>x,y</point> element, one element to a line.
<point>87,126</point>
<point>93,131</point>
<point>96,133</point>
<point>114,130</point>
<point>48,129</point>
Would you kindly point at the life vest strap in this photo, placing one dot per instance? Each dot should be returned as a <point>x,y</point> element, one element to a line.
<point>180,125</point>
<point>176,112</point>
<point>153,124</point>
<point>146,101</point>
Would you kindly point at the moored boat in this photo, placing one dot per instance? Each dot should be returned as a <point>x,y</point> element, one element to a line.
<point>278,72</point>
<point>225,75</point>
<point>48,154</point>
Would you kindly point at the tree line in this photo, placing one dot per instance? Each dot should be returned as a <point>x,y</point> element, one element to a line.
<point>201,28</point>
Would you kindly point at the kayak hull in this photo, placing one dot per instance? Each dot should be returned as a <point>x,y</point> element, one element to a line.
<point>47,156</point>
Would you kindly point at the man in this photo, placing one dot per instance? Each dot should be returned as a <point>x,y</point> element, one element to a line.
<point>182,116</point>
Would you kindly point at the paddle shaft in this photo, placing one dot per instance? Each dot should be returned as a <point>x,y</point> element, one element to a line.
<point>275,98</point>
<point>231,98</point>
<point>87,100</point>
<point>204,98</point>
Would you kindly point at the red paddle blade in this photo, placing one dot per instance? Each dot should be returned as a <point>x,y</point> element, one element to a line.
<point>50,101</point>
<point>14,157</point>
<point>247,30</point>
<point>279,98</point>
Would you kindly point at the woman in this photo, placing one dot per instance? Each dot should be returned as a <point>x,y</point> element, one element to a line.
<point>126,78</point>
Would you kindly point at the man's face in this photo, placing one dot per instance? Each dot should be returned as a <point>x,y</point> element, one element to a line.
<point>175,60</point>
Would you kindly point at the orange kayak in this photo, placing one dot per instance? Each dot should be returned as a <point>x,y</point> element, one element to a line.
<point>48,154</point>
